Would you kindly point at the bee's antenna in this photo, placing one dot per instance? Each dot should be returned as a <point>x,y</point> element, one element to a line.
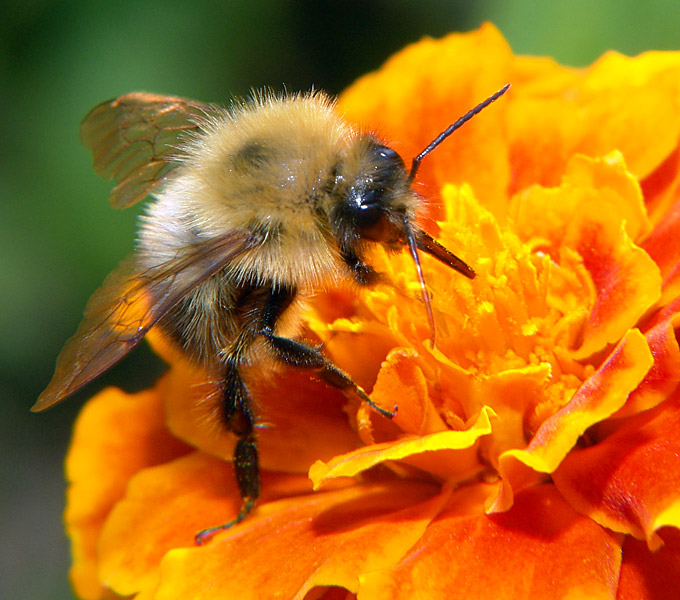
<point>451,128</point>
<point>413,249</point>
<point>424,241</point>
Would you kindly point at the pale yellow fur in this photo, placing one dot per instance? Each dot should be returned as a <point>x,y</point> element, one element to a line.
<point>207,196</point>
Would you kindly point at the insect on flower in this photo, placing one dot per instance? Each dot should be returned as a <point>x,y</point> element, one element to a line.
<point>251,207</point>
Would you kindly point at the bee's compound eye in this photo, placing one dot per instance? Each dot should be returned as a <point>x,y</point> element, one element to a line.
<point>385,154</point>
<point>371,217</point>
<point>369,210</point>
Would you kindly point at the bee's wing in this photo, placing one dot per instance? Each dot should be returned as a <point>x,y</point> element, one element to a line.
<point>134,140</point>
<point>126,306</point>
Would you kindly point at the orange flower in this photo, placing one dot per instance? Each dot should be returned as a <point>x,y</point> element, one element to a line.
<point>535,449</point>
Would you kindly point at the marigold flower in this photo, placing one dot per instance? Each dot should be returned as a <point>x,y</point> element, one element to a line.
<point>535,450</point>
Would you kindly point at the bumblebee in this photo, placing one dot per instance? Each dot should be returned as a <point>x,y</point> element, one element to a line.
<point>252,208</point>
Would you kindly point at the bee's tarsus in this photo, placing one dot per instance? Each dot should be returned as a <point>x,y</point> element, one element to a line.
<point>238,418</point>
<point>202,537</point>
<point>340,380</point>
<point>390,414</point>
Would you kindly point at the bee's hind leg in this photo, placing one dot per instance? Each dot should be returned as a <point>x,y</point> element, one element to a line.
<point>297,354</point>
<point>239,419</point>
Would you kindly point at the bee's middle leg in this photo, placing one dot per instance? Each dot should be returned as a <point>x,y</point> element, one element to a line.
<point>297,354</point>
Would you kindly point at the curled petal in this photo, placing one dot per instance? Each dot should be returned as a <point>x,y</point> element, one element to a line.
<point>664,375</point>
<point>626,280</point>
<point>629,482</point>
<point>545,213</point>
<point>402,381</point>
<point>601,396</point>
<point>456,445</point>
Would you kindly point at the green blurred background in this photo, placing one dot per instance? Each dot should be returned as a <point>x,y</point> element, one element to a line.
<point>58,236</point>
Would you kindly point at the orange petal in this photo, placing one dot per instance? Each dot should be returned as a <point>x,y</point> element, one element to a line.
<point>545,213</point>
<point>630,482</point>
<point>299,419</point>
<point>509,394</point>
<point>671,287</point>
<point>401,381</point>
<point>660,188</point>
<point>649,575</point>
<point>623,86</point>
<point>458,460</point>
<point>664,375</point>
<point>539,550</point>
<point>302,420</point>
<point>663,246</point>
<point>462,70</point>
<point>598,398</point>
<point>290,547</point>
<point>116,435</point>
<point>165,507</point>
<point>626,280</point>
<point>363,359</point>
<point>593,111</point>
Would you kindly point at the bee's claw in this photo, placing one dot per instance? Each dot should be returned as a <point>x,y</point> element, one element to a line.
<point>385,412</point>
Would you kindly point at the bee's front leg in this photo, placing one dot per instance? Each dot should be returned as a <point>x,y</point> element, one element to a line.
<point>239,419</point>
<point>297,354</point>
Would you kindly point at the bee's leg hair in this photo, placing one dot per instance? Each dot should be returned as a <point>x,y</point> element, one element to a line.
<point>364,275</point>
<point>239,419</point>
<point>297,354</point>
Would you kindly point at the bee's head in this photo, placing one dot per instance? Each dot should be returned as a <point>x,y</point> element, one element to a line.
<point>373,199</point>
<point>373,202</point>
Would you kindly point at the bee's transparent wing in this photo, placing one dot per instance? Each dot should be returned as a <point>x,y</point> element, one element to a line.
<point>134,140</point>
<point>126,306</point>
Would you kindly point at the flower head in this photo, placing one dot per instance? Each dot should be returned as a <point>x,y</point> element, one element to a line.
<point>535,449</point>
